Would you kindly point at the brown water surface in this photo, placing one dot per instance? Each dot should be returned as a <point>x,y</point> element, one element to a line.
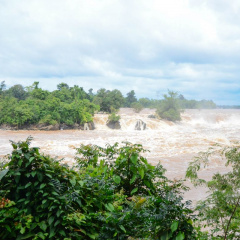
<point>174,144</point>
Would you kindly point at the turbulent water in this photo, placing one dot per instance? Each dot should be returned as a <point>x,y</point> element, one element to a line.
<point>174,144</point>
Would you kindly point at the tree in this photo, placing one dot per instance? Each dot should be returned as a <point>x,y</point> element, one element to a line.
<point>108,100</point>
<point>220,211</point>
<point>131,98</point>
<point>18,92</point>
<point>169,108</point>
<point>137,107</point>
<point>2,86</point>
<point>60,86</point>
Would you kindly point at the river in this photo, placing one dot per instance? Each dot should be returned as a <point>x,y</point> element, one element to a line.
<point>174,144</point>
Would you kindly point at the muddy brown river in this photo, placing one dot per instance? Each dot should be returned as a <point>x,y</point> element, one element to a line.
<point>174,144</point>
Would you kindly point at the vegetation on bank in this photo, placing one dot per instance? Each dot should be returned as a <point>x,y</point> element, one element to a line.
<point>22,106</point>
<point>114,193</point>
<point>110,193</point>
<point>219,213</point>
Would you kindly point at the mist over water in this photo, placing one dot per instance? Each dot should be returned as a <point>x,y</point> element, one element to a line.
<point>174,144</point>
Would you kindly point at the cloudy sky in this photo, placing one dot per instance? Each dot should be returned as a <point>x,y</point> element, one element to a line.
<point>189,46</point>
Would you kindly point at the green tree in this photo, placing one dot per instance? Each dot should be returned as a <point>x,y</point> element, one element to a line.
<point>18,92</point>
<point>108,100</point>
<point>220,211</point>
<point>169,108</point>
<point>131,98</point>
<point>60,86</point>
<point>137,107</point>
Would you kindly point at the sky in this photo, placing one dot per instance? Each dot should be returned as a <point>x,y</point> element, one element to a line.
<point>149,46</point>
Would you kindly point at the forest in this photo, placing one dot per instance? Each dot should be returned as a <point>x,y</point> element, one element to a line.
<point>22,106</point>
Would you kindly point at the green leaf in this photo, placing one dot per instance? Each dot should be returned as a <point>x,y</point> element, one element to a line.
<point>3,173</point>
<point>122,227</point>
<point>116,179</point>
<point>52,232</point>
<point>141,172</point>
<point>43,225</point>
<point>81,183</point>
<point>56,223</point>
<point>22,231</point>
<point>174,226</point>
<point>33,173</point>
<point>31,159</point>
<point>40,176</point>
<point>165,236</point>
<point>8,228</point>
<point>133,179</point>
<point>42,185</point>
<point>109,207</point>
<point>180,236</point>
<point>20,162</point>
<point>134,158</point>
<point>134,190</point>
<point>28,184</point>
<point>73,181</point>
<point>50,220</point>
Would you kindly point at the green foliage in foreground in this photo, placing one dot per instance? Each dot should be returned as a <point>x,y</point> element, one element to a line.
<point>220,211</point>
<point>111,193</point>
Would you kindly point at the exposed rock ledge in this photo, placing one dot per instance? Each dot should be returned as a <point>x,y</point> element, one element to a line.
<point>140,125</point>
<point>45,127</point>
<point>114,125</point>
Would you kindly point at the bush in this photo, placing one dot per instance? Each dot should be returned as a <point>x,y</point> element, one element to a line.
<point>169,108</point>
<point>112,193</point>
<point>113,117</point>
<point>137,107</point>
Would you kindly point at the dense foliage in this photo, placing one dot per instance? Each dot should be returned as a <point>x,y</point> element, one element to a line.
<point>110,193</point>
<point>22,106</point>
<point>220,211</point>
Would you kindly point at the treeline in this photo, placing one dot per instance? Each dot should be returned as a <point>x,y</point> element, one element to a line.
<point>21,106</point>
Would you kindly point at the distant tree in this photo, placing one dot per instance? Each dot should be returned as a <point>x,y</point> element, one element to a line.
<point>2,86</point>
<point>131,98</point>
<point>108,100</point>
<point>18,92</point>
<point>60,86</point>
<point>137,107</point>
<point>181,97</point>
<point>90,92</point>
<point>169,108</point>
<point>38,93</point>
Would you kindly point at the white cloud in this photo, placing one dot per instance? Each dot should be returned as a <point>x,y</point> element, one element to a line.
<point>143,45</point>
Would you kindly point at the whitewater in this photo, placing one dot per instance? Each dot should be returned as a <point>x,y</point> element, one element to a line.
<point>173,144</point>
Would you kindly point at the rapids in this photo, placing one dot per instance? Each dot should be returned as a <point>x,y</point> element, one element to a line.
<point>174,144</point>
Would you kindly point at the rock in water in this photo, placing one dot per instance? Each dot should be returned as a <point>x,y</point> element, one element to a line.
<point>88,126</point>
<point>140,125</point>
<point>114,125</point>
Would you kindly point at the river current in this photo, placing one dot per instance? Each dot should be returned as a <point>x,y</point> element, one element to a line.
<point>173,144</point>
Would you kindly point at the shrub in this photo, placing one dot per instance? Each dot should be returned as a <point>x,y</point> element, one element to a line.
<point>111,193</point>
<point>137,107</point>
<point>169,108</point>
<point>113,117</point>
